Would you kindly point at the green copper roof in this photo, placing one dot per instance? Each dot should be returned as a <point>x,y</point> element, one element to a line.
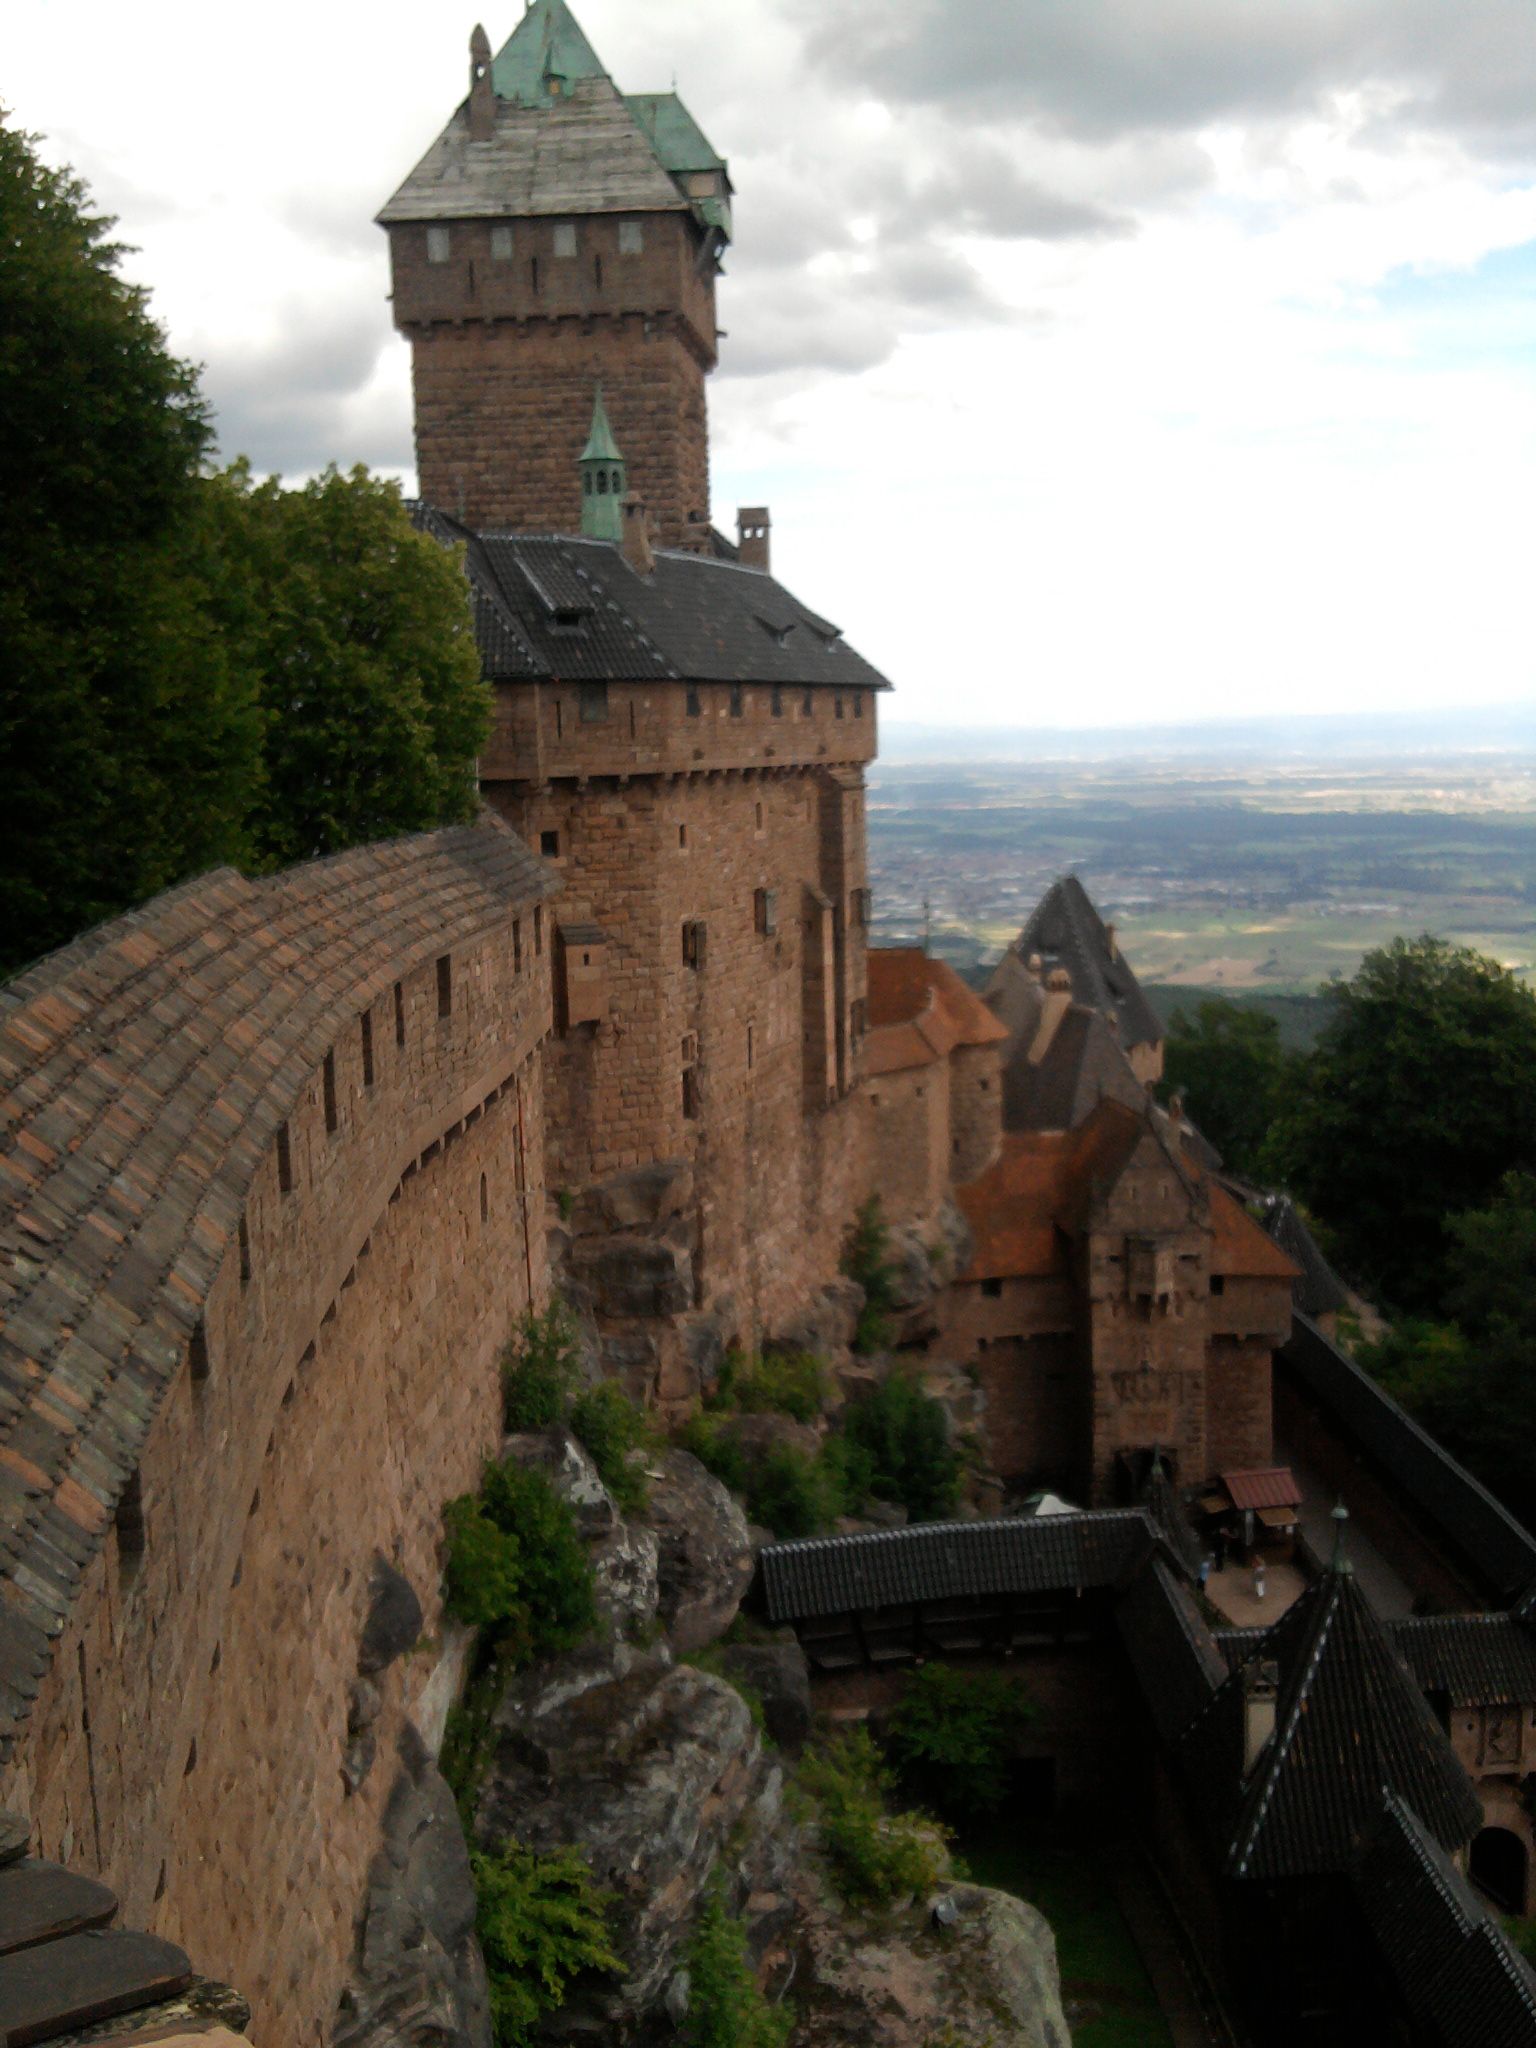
<point>601,446</point>
<point>676,137</point>
<point>545,44</point>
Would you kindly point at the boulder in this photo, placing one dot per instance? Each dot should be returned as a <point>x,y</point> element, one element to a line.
<point>989,1974</point>
<point>778,1674</point>
<point>418,1980</point>
<point>705,1554</point>
<point>628,1275</point>
<point>641,1198</point>
<point>624,1571</point>
<point>827,1324</point>
<point>564,1462</point>
<point>393,1623</point>
<point>603,1661</point>
<point>654,1782</point>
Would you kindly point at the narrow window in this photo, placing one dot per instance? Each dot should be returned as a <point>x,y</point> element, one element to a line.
<point>129,1525</point>
<point>328,1088</point>
<point>837,707</point>
<point>485,1200</point>
<point>808,704</point>
<point>549,845</point>
<point>399,1013</point>
<point>565,238</point>
<point>858,703</point>
<point>517,945</point>
<point>1218,1283</point>
<point>631,718</point>
<point>759,817</point>
<point>538,929</point>
<point>197,1352</point>
<point>445,984</point>
<point>245,1252</point>
<point>691,1093</point>
<point>695,707</point>
<point>766,911</point>
<point>682,836</point>
<point>533,275</point>
<point>631,238</point>
<point>778,702</point>
<point>501,242</point>
<point>751,1044</point>
<point>559,721</point>
<point>439,245</point>
<point>597,272</point>
<point>694,937</point>
<point>735,700</point>
<point>367,1025</point>
<point>284,1160</point>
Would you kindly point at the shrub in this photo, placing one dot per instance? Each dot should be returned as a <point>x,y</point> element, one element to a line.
<point>902,1432</point>
<point>790,1493</point>
<point>876,1856</point>
<point>790,1383</point>
<point>712,1659</point>
<point>517,1566</point>
<point>539,1368</point>
<point>711,1442</point>
<point>866,1261</point>
<point>953,1734</point>
<point>542,1921</point>
<point>726,2008</point>
<point>611,1427</point>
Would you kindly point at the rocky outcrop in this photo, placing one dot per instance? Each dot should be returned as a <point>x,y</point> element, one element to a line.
<point>923,1260</point>
<point>988,1976</point>
<point>419,1981</point>
<point>655,1778</point>
<point>777,1673</point>
<point>828,1325</point>
<point>705,1551</point>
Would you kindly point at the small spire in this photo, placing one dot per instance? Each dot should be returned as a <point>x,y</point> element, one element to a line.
<point>1339,1562</point>
<point>604,478</point>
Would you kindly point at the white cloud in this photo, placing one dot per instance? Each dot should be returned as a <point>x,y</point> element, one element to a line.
<point>1070,343</point>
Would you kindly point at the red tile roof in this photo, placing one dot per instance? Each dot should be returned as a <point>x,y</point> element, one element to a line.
<point>920,1010</point>
<point>1269,1486</point>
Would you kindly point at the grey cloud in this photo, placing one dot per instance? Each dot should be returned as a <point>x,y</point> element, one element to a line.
<point>775,328</point>
<point>296,405</point>
<point>978,189</point>
<point>1102,67</point>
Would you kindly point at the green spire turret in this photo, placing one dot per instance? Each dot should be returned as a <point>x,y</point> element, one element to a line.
<point>602,478</point>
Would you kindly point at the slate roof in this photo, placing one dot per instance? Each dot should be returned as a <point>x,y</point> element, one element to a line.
<point>1174,1657</point>
<point>146,1068</point>
<point>1083,1065</point>
<point>953,1560</point>
<point>1454,1969</point>
<point>1066,931</point>
<point>1319,1290</point>
<point>1350,1722</point>
<point>1469,1520</point>
<point>1489,1659</point>
<point>573,608</point>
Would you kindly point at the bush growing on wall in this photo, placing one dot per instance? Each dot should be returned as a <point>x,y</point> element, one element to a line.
<point>611,1427</point>
<point>542,1921</point>
<point>792,1383</point>
<point>866,1261</point>
<point>876,1856</point>
<point>539,1368</point>
<point>902,1433</point>
<point>517,1566</point>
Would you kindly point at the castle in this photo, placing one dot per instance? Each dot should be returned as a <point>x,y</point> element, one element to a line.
<point>288,1158</point>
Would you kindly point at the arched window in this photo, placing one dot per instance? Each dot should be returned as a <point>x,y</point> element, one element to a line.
<point>602,481</point>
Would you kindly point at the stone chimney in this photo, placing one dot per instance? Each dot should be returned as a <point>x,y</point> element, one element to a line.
<point>1057,1002</point>
<point>753,527</point>
<point>1112,942</point>
<point>482,99</point>
<point>1261,1691</point>
<point>636,538</point>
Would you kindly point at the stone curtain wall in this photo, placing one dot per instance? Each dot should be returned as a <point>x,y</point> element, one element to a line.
<point>337,1384</point>
<point>976,1109</point>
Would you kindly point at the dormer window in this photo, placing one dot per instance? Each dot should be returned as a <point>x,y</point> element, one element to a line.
<point>439,245</point>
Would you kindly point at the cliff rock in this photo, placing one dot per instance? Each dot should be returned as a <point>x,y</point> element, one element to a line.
<point>705,1552</point>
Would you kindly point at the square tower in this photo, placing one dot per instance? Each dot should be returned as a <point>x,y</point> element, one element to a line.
<point>560,233</point>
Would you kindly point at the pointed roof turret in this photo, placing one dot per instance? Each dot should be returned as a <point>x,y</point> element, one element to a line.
<point>601,446</point>
<point>1350,1725</point>
<point>544,56</point>
<point>604,478</point>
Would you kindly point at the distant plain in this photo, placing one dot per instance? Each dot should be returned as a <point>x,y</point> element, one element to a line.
<point>1231,867</point>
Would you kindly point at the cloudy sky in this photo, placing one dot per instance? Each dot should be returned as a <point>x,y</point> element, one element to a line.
<point>1101,359</point>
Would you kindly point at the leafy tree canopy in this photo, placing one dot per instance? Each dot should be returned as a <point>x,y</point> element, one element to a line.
<point>1422,1095</point>
<point>1234,1074</point>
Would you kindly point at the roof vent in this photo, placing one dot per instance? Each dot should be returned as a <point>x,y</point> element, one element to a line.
<point>753,527</point>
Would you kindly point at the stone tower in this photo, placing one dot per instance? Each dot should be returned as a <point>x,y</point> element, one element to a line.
<point>560,233</point>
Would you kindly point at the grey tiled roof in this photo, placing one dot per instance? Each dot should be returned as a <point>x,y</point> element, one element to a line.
<point>1455,1972</point>
<point>1066,931</point>
<point>952,1560</point>
<point>1350,1722</point>
<point>1468,1518</point>
<point>575,609</point>
<point>1318,1291</point>
<point>146,1068</point>
<point>1173,1654</point>
<point>1083,1066</point>
<point>1486,1658</point>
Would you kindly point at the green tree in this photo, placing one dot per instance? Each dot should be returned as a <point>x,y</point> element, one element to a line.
<point>542,1921</point>
<point>904,1441</point>
<point>726,2008</point>
<point>1421,1096</point>
<point>131,745</point>
<point>1234,1074</point>
<point>953,1736</point>
<point>357,631</point>
<point>1492,1261</point>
